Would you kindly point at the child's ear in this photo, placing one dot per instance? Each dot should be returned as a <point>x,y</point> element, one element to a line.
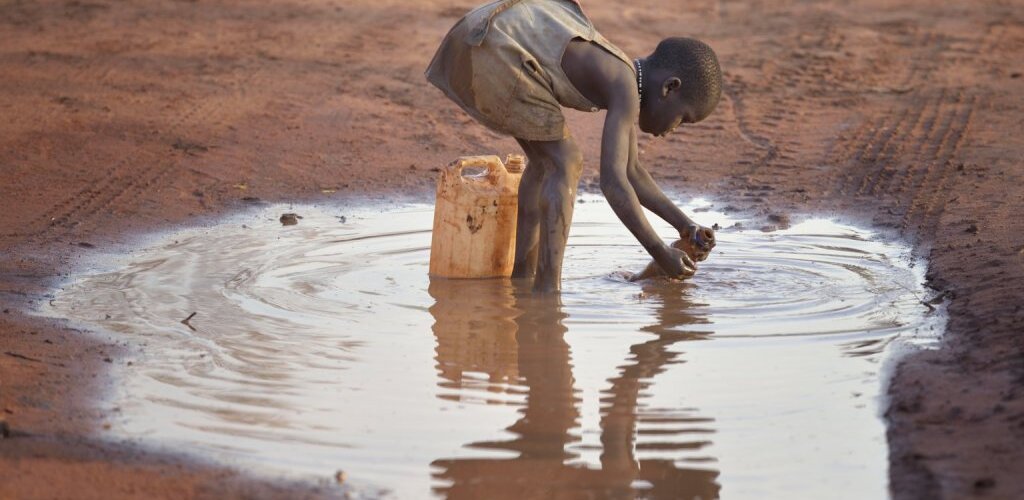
<point>670,84</point>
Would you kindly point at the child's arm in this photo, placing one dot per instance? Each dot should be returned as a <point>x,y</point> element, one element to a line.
<point>653,198</point>
<point>618,144</point>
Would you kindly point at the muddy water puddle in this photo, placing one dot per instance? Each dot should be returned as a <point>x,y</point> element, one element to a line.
<point>324,347</point>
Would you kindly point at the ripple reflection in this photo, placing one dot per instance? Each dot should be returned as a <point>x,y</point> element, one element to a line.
<point>324,346</point>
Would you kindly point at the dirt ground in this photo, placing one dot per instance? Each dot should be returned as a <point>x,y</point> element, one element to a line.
<point>122,117</point>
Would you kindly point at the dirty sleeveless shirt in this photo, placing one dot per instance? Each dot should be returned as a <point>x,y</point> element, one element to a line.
<point>502,63</point>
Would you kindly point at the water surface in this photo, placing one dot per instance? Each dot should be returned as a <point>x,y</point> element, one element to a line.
<point>324,346</point>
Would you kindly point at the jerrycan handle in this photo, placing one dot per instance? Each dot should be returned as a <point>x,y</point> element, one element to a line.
<point>491,163</point>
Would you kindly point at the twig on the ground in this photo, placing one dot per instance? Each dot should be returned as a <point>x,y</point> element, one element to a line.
<point>21,356</point>
<point>186,323</point>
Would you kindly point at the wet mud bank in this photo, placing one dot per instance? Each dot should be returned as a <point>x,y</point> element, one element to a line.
<point>140,115</point>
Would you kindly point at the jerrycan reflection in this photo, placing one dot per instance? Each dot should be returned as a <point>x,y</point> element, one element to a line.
<point>475,329</point>
<point>517,339</point>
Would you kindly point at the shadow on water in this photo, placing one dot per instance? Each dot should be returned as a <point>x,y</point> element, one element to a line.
<point>501,330</point>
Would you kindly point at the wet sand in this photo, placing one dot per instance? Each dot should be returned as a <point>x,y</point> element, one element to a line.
<point>129,116</point>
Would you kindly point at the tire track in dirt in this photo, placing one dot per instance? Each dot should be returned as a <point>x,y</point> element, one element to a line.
<point>122,184</point>
<point>59,213</point>
<point>920,67</point>
<point>940,135</point>
<point>908,153</point>
<point>930,199</point>
<point>877,146</point>
<point>92,73</point>
<point>789,94</point>
<point>769,150</point>
<point>910,157</point>
<point>882,152</point>
<point>928,113</point>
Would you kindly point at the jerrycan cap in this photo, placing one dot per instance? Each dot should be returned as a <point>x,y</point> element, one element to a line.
<point>515,163</point>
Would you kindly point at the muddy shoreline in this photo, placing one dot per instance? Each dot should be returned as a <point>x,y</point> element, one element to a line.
<point>129,117</point>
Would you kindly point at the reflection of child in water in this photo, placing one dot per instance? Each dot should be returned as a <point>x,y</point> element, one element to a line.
<point>518,340</point>
<point>513,64</point>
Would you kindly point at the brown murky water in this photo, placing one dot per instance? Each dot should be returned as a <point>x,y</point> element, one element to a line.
<point>324,346</point>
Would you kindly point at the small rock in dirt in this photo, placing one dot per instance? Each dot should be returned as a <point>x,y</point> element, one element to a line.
<point>7,311</point>
<point>1015,75</point>
<point>5,430</point>
<point>108,360</point>
<point>984,483</point>
<point>973,229</point>
<point>189,148</point>
<point>290,219</point>
<point>780,220</point>
<point>86,244</point>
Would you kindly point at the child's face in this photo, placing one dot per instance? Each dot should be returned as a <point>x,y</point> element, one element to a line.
<point>666,113</point>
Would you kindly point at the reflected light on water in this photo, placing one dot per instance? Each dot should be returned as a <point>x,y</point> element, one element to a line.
<point>324,346</point>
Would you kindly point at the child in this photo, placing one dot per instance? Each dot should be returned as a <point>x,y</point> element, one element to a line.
<point>512,64</point>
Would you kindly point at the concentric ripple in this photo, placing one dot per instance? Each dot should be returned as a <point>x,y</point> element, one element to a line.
<point>324,347</point>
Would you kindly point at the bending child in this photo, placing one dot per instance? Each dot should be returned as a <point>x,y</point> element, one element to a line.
<point>513,64</point>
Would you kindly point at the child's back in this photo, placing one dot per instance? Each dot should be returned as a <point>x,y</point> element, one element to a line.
<point>502,63</point>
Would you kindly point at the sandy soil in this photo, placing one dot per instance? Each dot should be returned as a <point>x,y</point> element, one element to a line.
<point>121,117</point>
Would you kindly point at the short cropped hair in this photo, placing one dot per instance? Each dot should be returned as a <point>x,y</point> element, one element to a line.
<point>697,66</point>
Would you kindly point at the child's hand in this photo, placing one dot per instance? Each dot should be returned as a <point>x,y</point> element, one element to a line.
<point>675,263</point>
<point>697,241</point>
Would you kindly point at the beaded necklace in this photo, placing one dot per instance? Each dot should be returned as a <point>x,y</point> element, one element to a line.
<point>639,79</point>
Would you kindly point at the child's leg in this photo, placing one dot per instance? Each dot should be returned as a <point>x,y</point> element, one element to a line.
<point>563,164</point>
<point>528,217</point>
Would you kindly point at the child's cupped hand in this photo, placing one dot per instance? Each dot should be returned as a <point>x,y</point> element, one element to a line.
<point>676,263</point>
<point>697,241</point>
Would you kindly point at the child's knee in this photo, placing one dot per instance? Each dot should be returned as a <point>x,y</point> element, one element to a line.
<point>575,155</point>
<point>572,158</point>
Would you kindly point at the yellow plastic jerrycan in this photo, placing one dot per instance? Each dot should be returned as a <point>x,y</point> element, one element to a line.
<point>475,218</point>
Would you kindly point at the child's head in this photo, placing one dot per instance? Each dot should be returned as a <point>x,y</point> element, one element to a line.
<point>682,84</point>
